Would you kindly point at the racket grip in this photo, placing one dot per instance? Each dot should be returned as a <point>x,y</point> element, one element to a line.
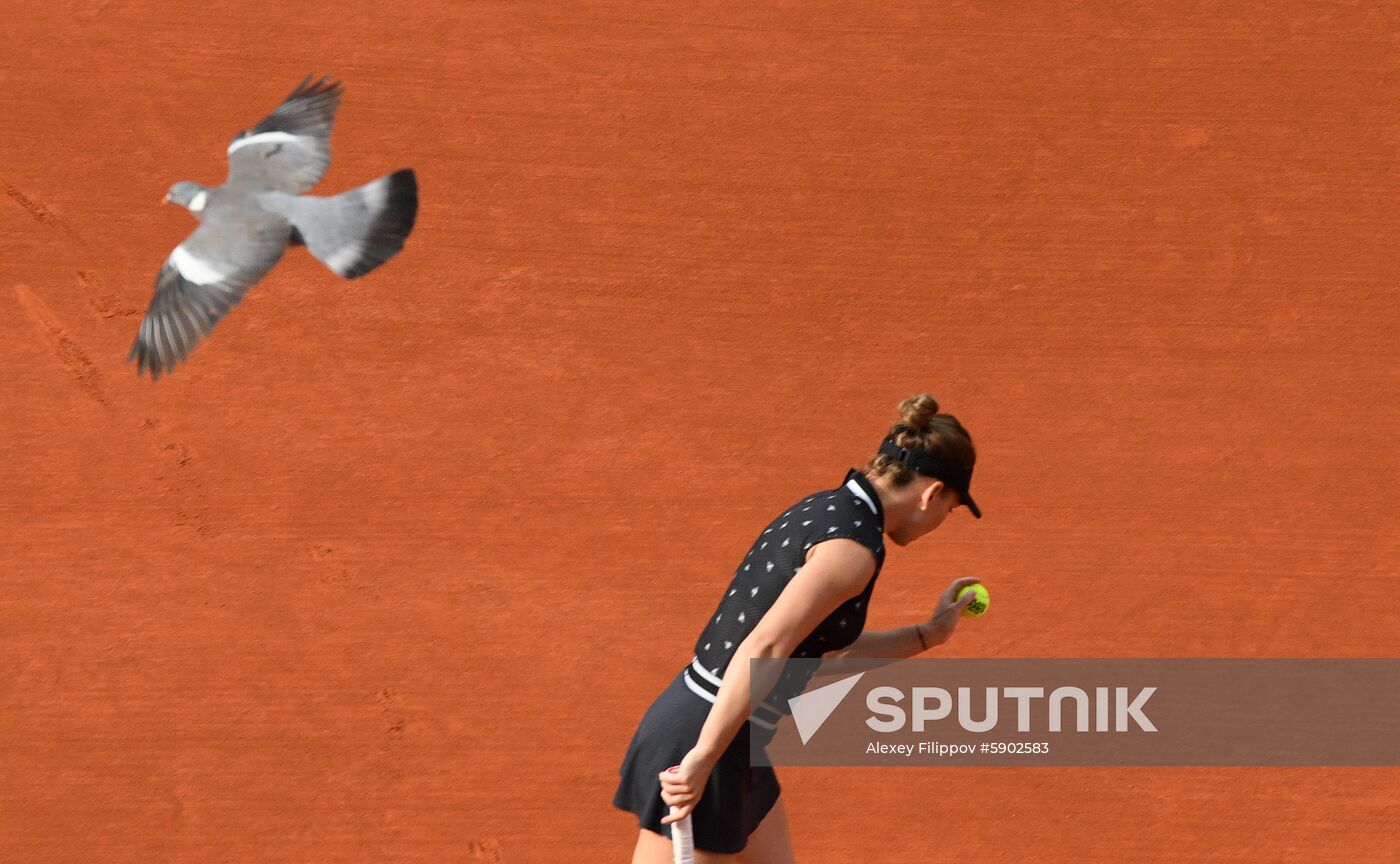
<point>682,841</point>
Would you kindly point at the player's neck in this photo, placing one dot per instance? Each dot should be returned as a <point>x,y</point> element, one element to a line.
<point>896,504</point>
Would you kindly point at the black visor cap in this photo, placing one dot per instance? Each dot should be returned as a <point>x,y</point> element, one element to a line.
<point>955,477</point>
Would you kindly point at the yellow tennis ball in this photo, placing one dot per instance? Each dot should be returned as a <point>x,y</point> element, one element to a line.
<point>980,601</point>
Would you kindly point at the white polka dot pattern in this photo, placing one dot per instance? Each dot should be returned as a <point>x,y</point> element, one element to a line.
<point>782,548</point>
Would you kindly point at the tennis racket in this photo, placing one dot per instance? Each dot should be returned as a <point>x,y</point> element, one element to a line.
<point>682,841</point>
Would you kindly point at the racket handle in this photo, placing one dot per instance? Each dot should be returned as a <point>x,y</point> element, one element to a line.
<point>682,841</point>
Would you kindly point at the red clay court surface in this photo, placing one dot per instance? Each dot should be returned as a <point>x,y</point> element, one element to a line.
<point>390,570</point>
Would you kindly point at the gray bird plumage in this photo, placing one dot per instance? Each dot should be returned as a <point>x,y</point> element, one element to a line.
<point>247,223</point>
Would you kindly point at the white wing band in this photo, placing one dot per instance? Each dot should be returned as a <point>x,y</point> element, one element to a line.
<point>195,270</point>
<point>263,138</point>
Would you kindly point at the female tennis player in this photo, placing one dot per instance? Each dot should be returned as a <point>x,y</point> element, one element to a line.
<point>801,591</point>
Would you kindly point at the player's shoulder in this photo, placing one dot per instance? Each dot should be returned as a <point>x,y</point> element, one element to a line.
<point>807,504</point>
<point>828,511</point>
<point>842,503</point>
<point>838,499</point>
<point>838,513</point>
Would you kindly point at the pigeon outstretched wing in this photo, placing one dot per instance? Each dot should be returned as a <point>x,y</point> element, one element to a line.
<point>291,149</point>
<point>200,281</point>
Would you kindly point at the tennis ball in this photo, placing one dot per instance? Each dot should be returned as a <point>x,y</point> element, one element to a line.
<point>979,602</point>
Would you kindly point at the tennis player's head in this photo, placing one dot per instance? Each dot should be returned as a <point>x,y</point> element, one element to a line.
<point>923,470</point>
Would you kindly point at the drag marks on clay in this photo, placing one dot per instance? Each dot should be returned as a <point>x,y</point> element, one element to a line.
<point>336,573</point>
<point>387,764</point>
<point>103,300</point>
<point>71,356</point>
<point>483,850</point>
<point>391,706</point>
<point>178,473</point>
<point>178,476</point>
<point>41,213</point>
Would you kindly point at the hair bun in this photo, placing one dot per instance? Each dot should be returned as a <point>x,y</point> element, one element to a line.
<point>917,412</point>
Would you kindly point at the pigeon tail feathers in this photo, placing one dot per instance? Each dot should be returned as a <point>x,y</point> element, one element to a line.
<point>353,232</point>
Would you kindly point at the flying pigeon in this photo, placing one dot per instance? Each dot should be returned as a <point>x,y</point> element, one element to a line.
<point>247,223</point>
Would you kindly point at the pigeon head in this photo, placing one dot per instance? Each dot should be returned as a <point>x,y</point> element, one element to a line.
<point>189,195</point>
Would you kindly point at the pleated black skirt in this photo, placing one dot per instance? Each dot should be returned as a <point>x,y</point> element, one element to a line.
<point>737,796</point>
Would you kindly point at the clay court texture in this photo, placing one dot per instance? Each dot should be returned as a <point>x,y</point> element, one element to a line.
<point>389,571</point>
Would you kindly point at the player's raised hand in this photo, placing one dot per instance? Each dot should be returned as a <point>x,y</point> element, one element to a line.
<point>940,625</point>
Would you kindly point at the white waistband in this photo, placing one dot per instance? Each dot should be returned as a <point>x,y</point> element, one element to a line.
<point>709,676</point>
<point>705,673</point>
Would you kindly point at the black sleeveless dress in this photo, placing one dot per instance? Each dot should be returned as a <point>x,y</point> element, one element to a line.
<point>738,795</point>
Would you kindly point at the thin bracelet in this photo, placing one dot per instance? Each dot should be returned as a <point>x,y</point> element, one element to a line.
<point>920,634</point>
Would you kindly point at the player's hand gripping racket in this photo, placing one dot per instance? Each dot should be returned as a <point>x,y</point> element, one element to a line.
<point>682,836</point>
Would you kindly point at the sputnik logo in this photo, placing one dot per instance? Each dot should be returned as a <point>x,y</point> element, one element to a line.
<point>811,709</point>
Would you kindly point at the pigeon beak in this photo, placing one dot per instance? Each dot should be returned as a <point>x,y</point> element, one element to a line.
<point>166,199</point>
